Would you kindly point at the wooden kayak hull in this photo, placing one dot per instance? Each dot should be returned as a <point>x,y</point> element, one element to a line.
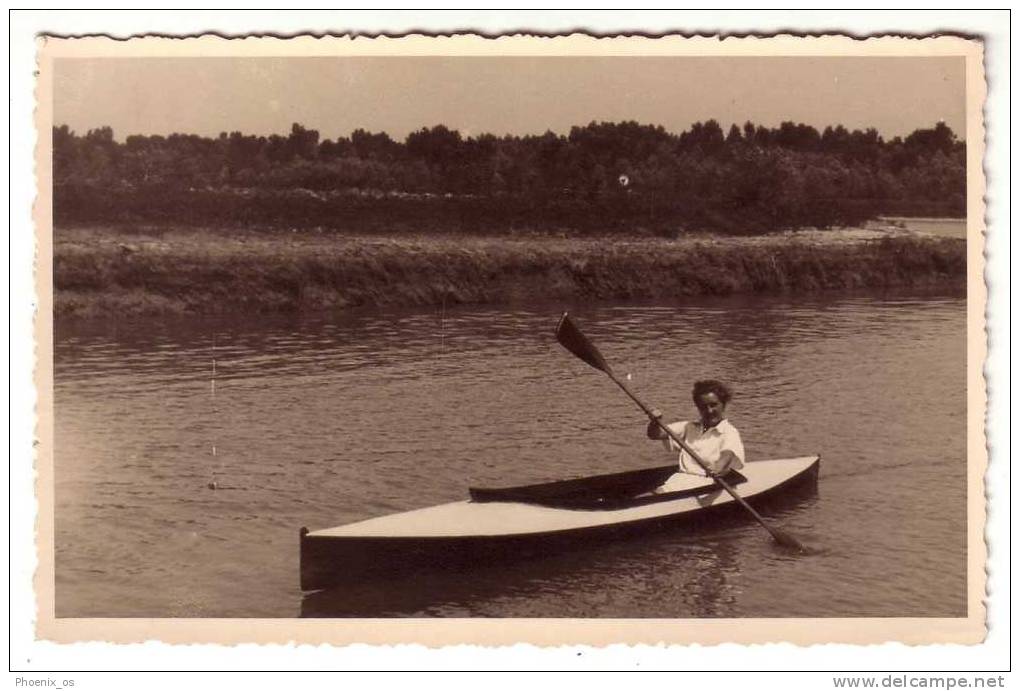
<point>487,530</point>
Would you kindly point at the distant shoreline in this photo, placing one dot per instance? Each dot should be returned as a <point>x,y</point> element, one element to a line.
<point>103,271</point>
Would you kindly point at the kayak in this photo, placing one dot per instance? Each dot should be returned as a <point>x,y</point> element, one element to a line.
<point>513,523</point>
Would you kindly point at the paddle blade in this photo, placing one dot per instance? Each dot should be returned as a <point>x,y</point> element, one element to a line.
<point>787,541</point>
<point>571,338</point>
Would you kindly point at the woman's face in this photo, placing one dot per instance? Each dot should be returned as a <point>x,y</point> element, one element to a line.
<point>711,409</point>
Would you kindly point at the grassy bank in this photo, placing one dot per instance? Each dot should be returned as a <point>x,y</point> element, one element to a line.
<point>100,271</point>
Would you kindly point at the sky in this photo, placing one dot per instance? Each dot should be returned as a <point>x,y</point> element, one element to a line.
<point>503,95</point>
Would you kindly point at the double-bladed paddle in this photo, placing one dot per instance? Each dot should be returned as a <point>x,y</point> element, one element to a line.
<point>571,338</point>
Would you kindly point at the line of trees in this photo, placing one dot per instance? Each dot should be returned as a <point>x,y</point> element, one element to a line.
<point>620,175</point>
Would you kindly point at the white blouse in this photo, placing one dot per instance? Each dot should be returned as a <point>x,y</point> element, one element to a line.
<point>708,443</point>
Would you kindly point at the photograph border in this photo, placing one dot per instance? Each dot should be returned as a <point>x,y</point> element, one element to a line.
<point>546,631</point>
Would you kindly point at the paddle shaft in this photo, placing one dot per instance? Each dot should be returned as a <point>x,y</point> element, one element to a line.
<point>693,454</point>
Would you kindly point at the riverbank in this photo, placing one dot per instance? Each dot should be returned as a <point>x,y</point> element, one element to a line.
<point>102,271</point>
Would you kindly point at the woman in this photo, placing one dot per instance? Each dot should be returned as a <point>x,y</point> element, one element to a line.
<point>713,438</point>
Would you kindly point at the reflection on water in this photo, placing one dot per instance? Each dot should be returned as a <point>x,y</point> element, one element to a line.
<point>322,421</point>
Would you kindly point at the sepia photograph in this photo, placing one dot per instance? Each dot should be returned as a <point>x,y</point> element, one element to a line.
<point>564,329</point>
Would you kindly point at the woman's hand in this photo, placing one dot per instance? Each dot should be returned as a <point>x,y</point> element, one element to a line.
<point>654,430</point>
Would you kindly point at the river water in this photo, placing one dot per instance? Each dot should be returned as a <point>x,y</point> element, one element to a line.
<point>320,421</point>
<point>941,227</point>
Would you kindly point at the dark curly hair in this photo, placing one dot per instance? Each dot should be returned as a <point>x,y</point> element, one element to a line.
<point>711,386</point>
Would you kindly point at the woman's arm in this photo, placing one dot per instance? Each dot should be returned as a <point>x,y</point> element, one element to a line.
<point>731,455</point>
<point>727,459</point>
